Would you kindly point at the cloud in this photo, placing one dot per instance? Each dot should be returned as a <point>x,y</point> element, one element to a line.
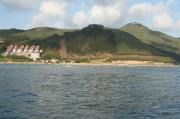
<point>170,2</point>
<point>105,14</point>
<point>101,12</point>
<point>157,14</point>
<point>38,20</point>
<point>177,24</point>
<point>18,4</point>
<point>146,10</point>
<point>142,10</point>
<point>80,18</point>
<point>163,21</point>
<point>53,8</point>
<point>50,12</point>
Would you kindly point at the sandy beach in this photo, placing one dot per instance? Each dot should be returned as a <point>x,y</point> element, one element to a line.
<point>114,63</point>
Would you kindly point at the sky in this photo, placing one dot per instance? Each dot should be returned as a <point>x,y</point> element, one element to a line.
<point>161,15</point>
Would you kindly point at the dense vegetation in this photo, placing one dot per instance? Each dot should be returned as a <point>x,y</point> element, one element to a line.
<point>41,33</point>
<point>90,40</point>
<point>14,59</point>
<point>96,40</point>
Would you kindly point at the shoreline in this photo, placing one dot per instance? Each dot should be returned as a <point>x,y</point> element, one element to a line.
<point>124,63</point>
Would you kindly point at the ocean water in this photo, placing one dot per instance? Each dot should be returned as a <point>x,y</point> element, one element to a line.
<point>89,92</point>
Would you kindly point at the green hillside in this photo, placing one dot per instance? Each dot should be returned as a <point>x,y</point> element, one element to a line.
<point>132,41</point>
<point>47,37</point>
<point>90,40</point>
<point>41,32</point>
<point>5,32</point>
<point>98,39</point>
<point>157,39</point>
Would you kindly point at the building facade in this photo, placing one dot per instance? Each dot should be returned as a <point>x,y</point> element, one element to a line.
<point>33,52</point>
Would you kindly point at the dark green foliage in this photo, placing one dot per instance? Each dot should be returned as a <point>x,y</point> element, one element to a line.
<point>19,57</point>
<point>50,43</point>
<point>5,35</point>
<point>51,55</point>
<point>5,32</point>
<point>2,48</point>
<point>82,60</point>
<point>141,58</point>
<point>14,59</point>
<point>97,39</point>
<point>90,40</point>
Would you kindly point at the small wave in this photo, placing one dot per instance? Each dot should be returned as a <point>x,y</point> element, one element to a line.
<point>2,106</point>
<point>68,66</point>
<point>25,94</point>
<point>11,118</point>
<point>13,90</point>
<point>29,101</point>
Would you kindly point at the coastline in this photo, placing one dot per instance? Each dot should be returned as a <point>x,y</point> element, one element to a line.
<point>119,63</point>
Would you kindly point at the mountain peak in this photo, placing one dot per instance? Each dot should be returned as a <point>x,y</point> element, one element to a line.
<point>93,26</point>
<point>136,24</point>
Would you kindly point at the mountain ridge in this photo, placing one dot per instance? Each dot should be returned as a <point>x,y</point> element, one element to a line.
<point>131,39</point>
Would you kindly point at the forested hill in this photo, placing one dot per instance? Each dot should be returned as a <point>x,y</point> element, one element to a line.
<point>98,39</point>
<point>131,39</point>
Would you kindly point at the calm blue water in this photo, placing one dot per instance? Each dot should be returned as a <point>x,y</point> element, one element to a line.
<point>89,92</point>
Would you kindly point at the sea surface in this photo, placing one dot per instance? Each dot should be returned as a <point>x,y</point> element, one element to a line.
<point>89,92</point>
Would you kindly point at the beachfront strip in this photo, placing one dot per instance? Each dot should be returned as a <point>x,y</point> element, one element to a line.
<point>33,52</point>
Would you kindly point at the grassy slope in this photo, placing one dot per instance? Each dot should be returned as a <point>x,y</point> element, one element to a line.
<point>157,39</point>
<point>47,37</point>
<point>128,44</point>
<point>42,32</point>
<point>5,32</point>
